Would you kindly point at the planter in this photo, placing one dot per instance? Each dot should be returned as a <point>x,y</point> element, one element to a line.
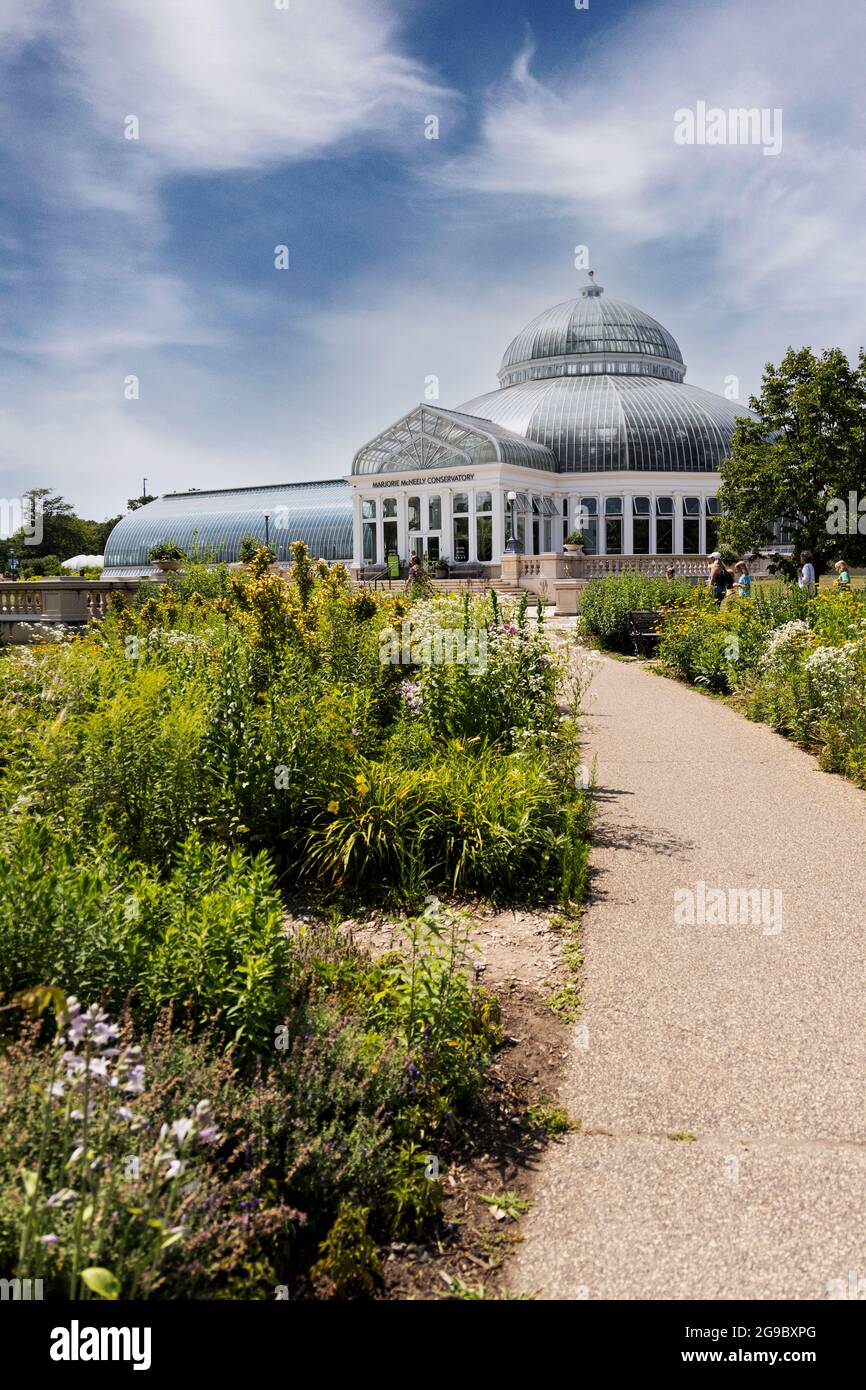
<point>440,572</point>
<point>573,549</point>
<point>166,565</point>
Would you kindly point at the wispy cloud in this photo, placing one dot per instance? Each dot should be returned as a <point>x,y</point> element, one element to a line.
<point>595,141</point>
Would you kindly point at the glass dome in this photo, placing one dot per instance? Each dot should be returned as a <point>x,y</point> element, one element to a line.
<point>617,423</point>
<point>592,334</point>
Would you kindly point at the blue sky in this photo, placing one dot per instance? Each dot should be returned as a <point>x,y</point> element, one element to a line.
<point>409,257</point>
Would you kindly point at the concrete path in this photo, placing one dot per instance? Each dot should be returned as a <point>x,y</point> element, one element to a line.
<point>748,1036</point>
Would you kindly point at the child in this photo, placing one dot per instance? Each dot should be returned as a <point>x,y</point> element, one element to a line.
<point>843,575</point>
<point>744,579</point>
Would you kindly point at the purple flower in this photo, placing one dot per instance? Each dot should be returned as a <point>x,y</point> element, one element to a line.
<point>49,1239</point>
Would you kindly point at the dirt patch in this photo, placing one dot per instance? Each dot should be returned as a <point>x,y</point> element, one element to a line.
<point>526,959</point>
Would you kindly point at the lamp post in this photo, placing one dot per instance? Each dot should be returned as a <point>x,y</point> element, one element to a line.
<point>511,547</point>
<point>267,528</point>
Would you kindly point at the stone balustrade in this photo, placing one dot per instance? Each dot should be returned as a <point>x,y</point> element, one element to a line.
<point>54,602</point>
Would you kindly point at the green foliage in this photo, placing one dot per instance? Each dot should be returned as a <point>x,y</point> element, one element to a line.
<point>250,545</point>
<point>348,1261</point>
<point>166,550</point>
<point>206,940</point>
<point>606,603</point>
<point>163,776</point>
<point>805,449</point>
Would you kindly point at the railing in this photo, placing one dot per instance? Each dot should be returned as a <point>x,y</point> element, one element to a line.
<point>67,602</point>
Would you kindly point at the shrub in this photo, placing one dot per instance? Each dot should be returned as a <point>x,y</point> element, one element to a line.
<point>606,603</point>
<point>207,939</point>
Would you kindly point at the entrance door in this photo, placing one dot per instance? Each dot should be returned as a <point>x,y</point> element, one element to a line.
<point>425,546</point>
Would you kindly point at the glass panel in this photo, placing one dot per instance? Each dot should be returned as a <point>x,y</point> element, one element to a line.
<point>691,506</point>
<point>548,534</point>
<point>461,538</point>
<point>369,542</point>
<point>665,507</point>
<point>641,507</point>
<point>484,537</point>
<point>713,508</point>
<point>389,535</point>
<point>389,506</point>
<point>432,549</point>
<point>641,543</point>
<point>712,534</point>
<point>414,513</point>
<point>435,513</point>
<point>665,535</point>
<point>368,508</point>
<point>590,535</point>
<point>484,501</point>
<point>613,534</point>
<point>461,501</point>
<point>691,535</point>
<point>590,505</point>
<point>613,507</point>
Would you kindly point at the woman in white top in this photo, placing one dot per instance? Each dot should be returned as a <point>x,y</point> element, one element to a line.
<point>806,575</point>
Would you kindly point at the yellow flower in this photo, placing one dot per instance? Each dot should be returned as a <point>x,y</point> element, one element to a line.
<point>362,784</point>
<point>334,807</point>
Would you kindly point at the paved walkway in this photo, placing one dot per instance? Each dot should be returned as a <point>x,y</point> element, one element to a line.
<point>747,1037</point>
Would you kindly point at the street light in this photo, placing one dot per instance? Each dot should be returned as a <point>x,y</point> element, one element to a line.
<point>267,528</point>
<point>511,548</point>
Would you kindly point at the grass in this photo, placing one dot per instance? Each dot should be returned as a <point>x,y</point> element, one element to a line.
<point>507,1204</point>
<point>553,1119</point>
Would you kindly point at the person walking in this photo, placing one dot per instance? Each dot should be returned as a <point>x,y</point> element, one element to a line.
<point>417,583</point>
<point>806,574</point>
<point>719,580</point>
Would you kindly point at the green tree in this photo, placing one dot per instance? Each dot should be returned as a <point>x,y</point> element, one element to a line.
<point>63,534</point>
<point>802,459</point>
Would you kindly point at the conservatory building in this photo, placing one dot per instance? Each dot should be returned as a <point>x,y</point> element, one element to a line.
<point>592,429</point>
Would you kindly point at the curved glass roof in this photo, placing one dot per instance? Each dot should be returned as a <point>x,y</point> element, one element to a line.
<point>592,334</point>
<point>211,524</point>
<point>432,438</point>
<point>600,424</point>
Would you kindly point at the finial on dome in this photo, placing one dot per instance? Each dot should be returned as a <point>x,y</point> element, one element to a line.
<point>592,290</point>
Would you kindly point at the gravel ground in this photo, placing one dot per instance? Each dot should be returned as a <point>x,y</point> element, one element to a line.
<point>745,1037</point>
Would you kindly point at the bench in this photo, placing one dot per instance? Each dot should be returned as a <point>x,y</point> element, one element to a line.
<point>466,569</point>
<point>644,629</point>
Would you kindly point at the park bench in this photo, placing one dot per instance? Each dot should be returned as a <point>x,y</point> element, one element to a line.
<point>644,629</point>
<point>466,569</point>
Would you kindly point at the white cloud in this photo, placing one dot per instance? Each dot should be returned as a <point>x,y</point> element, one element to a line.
<point>230,84</point>
<point>595,142</point>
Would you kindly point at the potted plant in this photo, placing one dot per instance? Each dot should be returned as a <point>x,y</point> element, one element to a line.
<point>440,569</point>
<point>574,543</point>
<point>167,555</point>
